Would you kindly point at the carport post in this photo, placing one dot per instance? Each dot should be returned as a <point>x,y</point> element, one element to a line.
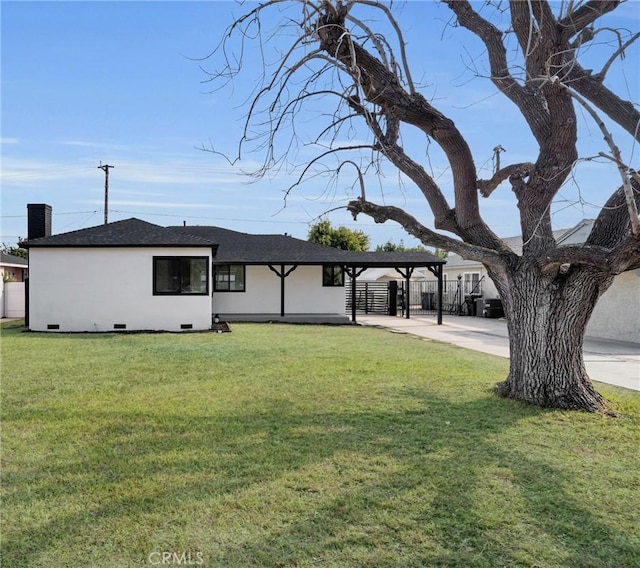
<point>437,272</point>
<point>282,275</point>
<point>408,299</point>
<point>439,275</point>
<point>353,272</point>
<point>352,275</point>
<point>407,277</point>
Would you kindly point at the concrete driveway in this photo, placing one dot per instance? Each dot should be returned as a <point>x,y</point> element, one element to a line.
<point>613,362</point>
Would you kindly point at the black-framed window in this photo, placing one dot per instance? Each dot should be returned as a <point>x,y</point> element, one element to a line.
<point>229,278</point>
<point>332,275</point>
<point>472,283</point>
<point>180,275</point>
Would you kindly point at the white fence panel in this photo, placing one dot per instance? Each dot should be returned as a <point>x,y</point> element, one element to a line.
<point>14,300</point>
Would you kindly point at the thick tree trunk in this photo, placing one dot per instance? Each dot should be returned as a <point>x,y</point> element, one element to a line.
<point>547,318</point>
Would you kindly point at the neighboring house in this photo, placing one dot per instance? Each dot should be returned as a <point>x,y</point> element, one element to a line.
<point>617,314</point>
<point>12,295</point>
<point>13,268</point>
<point>472,274</point>
<point>134,275</point>
<point>390,274</point>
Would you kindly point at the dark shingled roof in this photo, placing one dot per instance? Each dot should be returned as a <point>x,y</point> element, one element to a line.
<point>243,248</point>
<point>387,259</point>
<point>127,233</point>
<point>232,247</point>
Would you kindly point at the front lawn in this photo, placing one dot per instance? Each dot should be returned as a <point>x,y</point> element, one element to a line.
<point>296,446</point>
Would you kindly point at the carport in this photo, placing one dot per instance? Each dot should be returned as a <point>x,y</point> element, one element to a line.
<point>404,263</point>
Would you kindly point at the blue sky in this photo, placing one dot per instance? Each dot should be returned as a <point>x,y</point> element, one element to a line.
<point>121,83</point>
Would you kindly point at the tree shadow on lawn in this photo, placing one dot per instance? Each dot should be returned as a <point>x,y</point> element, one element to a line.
<point>429,487</point>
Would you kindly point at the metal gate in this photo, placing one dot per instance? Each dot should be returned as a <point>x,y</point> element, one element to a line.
<point>390,298</point>
<point>423,298</point>
<point>370,298</point>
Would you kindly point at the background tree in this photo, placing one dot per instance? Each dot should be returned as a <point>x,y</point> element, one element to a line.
<point>390,246</point>
<point>343,238</point>
<point>15,250</point>
<point>338,66</point>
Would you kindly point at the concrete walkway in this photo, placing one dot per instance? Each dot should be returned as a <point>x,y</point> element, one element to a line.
<point>613,362</point>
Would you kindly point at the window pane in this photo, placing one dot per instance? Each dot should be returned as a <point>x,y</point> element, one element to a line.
<point>222,277</point>
<point>471,283</point>
<point>180,275</point>
<point>332,276</point>
<point>194,275</point>
<point>326,275</point>
<point>229,278</point>
<point>167,276</point>
<point>236,278</point>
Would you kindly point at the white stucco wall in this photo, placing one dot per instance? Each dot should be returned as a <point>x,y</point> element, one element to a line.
<point>617,313</point>
<point>616,316</point>
<point>91,289</point>
<point>304,294</point>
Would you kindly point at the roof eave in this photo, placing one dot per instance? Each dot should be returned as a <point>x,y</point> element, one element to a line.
<point>53,245</point>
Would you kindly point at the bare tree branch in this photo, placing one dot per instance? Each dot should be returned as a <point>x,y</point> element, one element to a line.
<point>622,168</point>
<point>617,53</point>
<point>487,187</point>
<point>612,227</point>
<point>527,99</point>
<point>380,87</point>
<point>626,256</point>
<point>591,88</point>
<point>398,31</point>
<point>360,176</point>
<point>574,22</point>
<point>383,213</point>
<point>575,255</point>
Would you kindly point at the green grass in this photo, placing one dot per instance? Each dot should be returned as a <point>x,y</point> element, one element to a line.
<point>294,446</point>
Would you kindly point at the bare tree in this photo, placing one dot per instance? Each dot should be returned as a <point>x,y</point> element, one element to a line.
<point>548,291</point>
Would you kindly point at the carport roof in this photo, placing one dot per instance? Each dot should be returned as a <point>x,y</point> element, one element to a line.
<point>386,259</point>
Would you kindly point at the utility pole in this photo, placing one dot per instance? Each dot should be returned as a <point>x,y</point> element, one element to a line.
<point>105,169</point>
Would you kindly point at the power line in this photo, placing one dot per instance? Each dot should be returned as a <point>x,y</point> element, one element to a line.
<point>24,216</point>
<point>45,173</point>
<point>276,221</point>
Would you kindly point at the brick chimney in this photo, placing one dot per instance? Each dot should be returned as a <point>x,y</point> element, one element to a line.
<point>38,220</point>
